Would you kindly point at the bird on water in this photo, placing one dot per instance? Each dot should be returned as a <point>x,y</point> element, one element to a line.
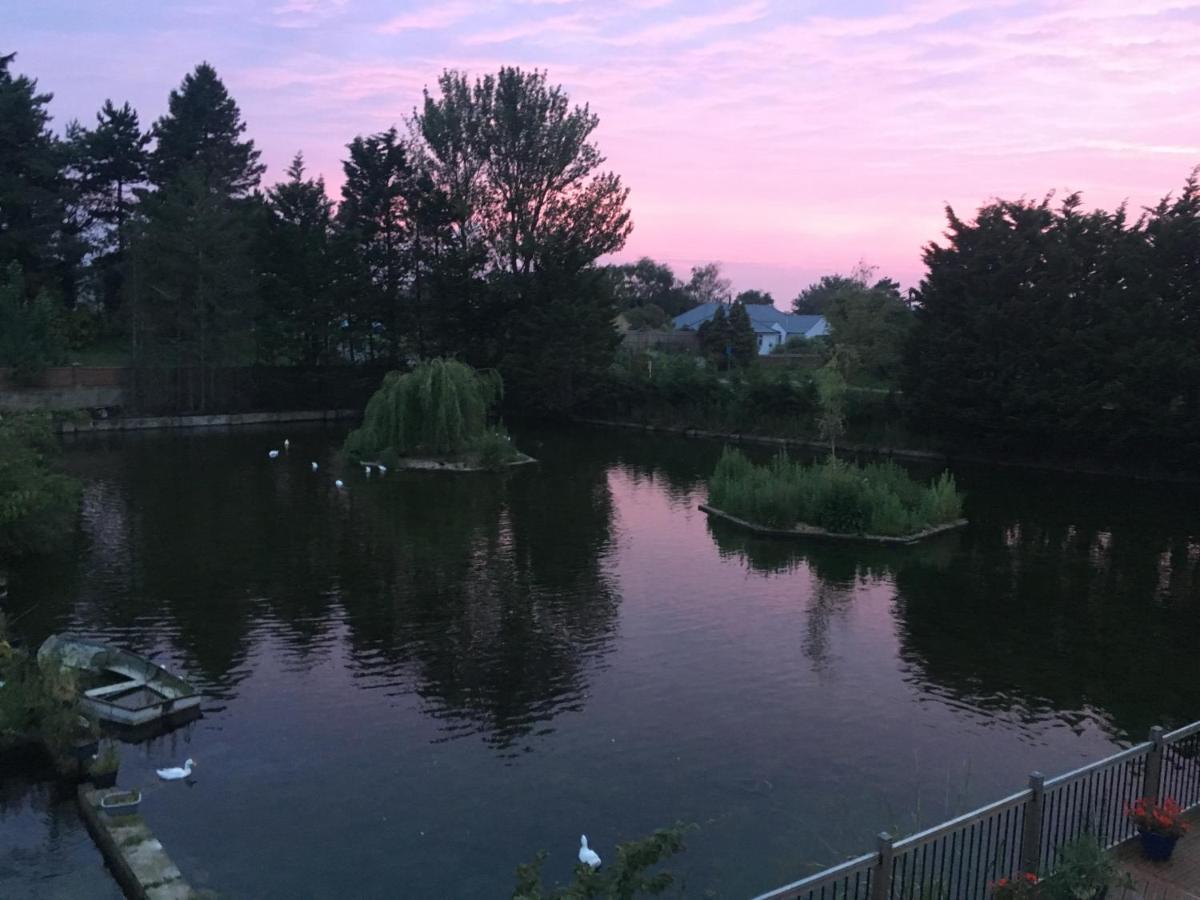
<point>177,774</point>
<point>587,855</point>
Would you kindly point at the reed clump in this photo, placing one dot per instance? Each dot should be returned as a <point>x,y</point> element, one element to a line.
<point>838,496</point>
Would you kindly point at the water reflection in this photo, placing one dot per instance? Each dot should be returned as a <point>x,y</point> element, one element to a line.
<point>486,596</point>
<point>1067,597</point>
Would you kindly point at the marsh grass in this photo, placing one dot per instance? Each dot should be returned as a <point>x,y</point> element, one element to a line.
<point>841,497</point>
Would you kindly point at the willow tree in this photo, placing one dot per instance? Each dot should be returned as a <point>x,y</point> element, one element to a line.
<point>440,408</point>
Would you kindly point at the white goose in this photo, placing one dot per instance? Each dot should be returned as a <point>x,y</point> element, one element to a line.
<point>272,453</point>
<point>587,855</point>
<point>314,466</point>
<point>177,774</point>
<point>339,484</point>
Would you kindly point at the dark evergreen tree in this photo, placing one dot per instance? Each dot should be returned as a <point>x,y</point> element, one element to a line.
<point>193,290</point>
<point>35,230</point>
<point>1062,331</point>
<point>109,162</point>
<point>716,338</point>
<point>743,345</point>
<point>375,226</point>
<point>202,133</point>
<point>299,317</point>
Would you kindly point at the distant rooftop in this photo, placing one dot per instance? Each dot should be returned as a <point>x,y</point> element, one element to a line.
<point>763,318</point>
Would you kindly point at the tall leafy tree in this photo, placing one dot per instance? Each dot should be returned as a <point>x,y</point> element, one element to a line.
<point>523,183</point>
<point>708,285</point>
<point>202,134</point>
<point>815,299</point>
<point>299,318</point>
<point>110,161</point>
<point>34,225</point>
<point>647,283</point>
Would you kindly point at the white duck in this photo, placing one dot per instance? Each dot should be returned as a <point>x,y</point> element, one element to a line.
<point>314,466</point>
<point>367,469</point>
<point>382,468</point>
<point>339,484</point>
<point>587,855</point>
<point>286,443</point>
<point>177,774</point>
<point>272,453</point>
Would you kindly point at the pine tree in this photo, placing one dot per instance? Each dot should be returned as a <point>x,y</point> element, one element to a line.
<point>33,217</point>
<point>374,221</point>
<point>202,132</point>
<point>743,345</point>
<point>193,289</point>
<point>110,161</point>
<point>299,321</point>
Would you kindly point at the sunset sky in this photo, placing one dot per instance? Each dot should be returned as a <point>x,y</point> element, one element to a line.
<point>784,139</point>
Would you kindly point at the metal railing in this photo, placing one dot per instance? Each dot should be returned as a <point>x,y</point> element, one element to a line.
<point>1021,833</point>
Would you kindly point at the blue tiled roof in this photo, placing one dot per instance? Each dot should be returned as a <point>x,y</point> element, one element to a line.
<point>762,317</point>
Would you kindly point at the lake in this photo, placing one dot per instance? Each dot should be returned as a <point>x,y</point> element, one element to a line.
<point>414,684</point>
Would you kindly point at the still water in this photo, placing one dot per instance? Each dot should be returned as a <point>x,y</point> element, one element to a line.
<point>414,684</point>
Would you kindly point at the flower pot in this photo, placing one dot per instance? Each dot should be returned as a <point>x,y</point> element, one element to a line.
<point>1157,847</point>
<point>122,804</point>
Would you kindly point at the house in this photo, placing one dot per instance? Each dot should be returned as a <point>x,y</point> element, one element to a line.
<point>771,327</point>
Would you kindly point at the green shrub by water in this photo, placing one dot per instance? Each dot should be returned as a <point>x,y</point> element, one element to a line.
<point>38,506</point>
<point>880,498</point>
<point>439,409</point>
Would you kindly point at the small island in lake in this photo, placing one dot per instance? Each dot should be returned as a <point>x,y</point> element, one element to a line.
<point>878,502</point>
<point>435,417</point>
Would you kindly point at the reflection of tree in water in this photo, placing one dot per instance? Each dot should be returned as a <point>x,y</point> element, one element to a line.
<point>1065,596</point>
<point>837,568</point>
<point>487,590</point>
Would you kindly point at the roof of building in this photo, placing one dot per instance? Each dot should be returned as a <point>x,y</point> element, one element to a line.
<point>763,318</point>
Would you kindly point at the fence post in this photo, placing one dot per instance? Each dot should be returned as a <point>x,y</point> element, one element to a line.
<point>1031,835</point>
<point>1152,785</point>
<point>881,880</point>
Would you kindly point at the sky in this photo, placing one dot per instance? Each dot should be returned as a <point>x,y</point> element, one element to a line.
<point>783,138</point>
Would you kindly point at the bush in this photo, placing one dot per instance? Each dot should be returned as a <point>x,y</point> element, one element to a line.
<point>494,449</point>
<point>37,505</point>
<point>838,496</point>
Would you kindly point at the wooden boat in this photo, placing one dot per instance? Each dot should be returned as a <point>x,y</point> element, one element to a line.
<point>118,686</point>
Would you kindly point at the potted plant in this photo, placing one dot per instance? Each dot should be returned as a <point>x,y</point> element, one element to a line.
<point>1159,826</point>
<point>1085,871</point>
<point>121,803</point>
<point>1018,887</point>
<point>102,770</point>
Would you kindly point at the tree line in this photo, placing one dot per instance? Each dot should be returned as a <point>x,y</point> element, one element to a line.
<point>475,232</point>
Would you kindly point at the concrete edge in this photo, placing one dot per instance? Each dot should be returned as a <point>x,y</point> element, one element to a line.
<point>146,423</point>
<point>141,867</point>
<point>807,531</point>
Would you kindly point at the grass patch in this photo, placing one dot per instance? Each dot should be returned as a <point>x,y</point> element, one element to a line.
<point>840,497</point>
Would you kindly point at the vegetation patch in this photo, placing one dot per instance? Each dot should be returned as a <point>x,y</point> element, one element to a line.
<point>437,413</point>
<point>834,496</point>
<point>37,504</point>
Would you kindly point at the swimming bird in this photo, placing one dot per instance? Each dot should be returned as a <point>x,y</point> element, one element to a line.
<point>587,856</point>
<point>382,468</point>
<point>338,484</point>
<point>314,466</point>
<point>367,469</point>
<point>272,453</point>
<point>286,443</point>
<point>177,774</point>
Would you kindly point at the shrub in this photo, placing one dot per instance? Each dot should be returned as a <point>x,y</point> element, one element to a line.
<point>834,495</point>
<point>37,505</point>
<point>494,449</point>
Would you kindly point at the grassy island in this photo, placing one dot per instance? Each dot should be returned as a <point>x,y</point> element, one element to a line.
<point>834,496</point>
<point>435,416</point>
